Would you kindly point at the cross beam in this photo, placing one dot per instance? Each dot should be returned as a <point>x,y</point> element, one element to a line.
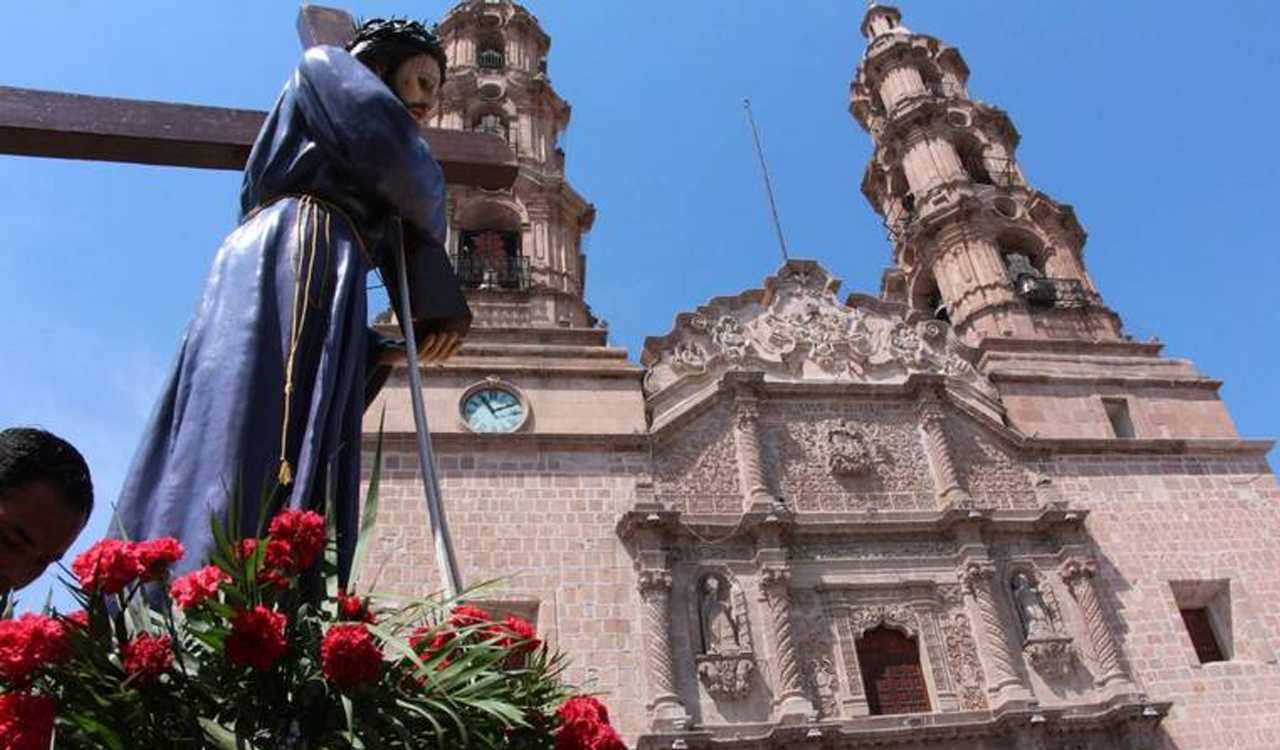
<point>75,126</point>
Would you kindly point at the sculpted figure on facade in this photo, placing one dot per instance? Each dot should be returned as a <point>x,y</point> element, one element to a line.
<point>719,631</point>
<point>726,660</point>
<point>1045,646</point>
<point>796,328</point>
<point>1032,610</point>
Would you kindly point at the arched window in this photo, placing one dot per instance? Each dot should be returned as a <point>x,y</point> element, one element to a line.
<point>974,162</point>
<point>891,674</point>
<point>928,298</point>
<point>488,254</point>
<point>491,52</point>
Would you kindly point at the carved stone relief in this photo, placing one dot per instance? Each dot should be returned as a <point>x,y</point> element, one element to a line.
<point>725,659</point>
<point>816,638</point>
<point>850,450</point>
<point>846,456</point>
<point>962,657</point>
<point>697,470</point>
<point>993,475</point>
<point>797,328</point>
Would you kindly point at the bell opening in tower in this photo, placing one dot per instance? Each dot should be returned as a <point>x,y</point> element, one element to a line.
<point>490,259</point>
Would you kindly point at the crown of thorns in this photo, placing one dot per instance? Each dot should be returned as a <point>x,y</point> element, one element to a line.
<point>382,38</point>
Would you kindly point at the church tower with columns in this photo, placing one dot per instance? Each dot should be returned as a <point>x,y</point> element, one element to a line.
<point>973,242</point>
<point>518,251</point>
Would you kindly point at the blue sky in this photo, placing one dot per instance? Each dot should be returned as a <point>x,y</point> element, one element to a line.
<point>1156,119</point>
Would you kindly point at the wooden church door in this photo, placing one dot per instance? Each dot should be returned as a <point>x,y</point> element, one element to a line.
<point>891,673</point>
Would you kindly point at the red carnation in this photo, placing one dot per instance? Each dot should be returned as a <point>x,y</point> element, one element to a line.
<point>277,561</point>
<point>256,639</point>
<point>427,644</point>
<point>304,531</point>
<point>349,657</point>
<point>28,643</point>
<point>107,566</point>
<point>199,586</point>
<point>353,608</point>
<point>467,616</point>
<point>147,656</point>
<point>77,620</point>
<point>26,721</point>
<point>156,555</point>
<point>584,725</point>
<point>517,634</point>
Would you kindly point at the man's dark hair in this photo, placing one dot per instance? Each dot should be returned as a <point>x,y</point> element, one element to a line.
<point>28,455</point>
<point>387,43</point>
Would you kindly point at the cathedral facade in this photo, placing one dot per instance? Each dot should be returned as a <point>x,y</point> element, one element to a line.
<point>965,512</point>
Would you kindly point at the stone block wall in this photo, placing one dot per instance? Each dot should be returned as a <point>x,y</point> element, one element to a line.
<point>545,519</point>
<point>1161,523</point>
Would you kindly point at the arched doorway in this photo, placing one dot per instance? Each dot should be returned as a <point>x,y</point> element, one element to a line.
<point>891,673</point>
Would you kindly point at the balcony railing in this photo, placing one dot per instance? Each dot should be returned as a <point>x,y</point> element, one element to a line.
<point>1040,291</point>
<point>898,220</point>
<point>992,170</point>
<point>490,58</point>
<point>482,272</point>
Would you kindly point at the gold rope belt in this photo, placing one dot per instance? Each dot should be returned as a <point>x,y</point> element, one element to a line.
<point>307,231</point>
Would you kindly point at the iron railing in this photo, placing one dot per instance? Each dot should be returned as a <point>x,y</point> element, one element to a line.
<point>477,272</point>
<point>1040,291</point>
<point>491,58</point>
<point>992,170</point>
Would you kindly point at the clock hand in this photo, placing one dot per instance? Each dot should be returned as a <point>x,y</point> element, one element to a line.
<point>488,405</point>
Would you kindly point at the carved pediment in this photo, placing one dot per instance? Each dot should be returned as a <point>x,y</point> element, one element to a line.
<point>797,329</point>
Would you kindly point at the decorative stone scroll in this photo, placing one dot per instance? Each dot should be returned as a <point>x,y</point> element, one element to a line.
<point>978,579</point>
<point>946,478</point>
<point>775,585</point>
<point>797,329</point>
<point>746,435</point>
<point>655,591</point>
<point>1079,577</point>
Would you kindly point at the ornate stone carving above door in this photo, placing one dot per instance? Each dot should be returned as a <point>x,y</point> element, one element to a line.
<point>796,328</point>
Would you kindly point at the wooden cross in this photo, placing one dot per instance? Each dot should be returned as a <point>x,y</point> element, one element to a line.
<point>96,128</point>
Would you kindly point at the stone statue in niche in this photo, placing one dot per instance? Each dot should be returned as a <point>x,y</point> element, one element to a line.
<point>719,629</point>
<point>726,661</point>
<point>1047,649</point>
<point>1032,611</point>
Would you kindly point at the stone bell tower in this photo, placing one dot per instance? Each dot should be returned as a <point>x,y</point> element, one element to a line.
<point>973,242</point>
<point>518,251</point>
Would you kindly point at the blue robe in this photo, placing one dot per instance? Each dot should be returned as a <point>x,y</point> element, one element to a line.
<point>278,363</point>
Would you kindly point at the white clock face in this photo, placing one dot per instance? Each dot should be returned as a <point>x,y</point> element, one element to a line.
<point>493,410</point>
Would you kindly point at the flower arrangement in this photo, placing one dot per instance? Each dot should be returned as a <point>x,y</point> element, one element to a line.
<point>242,655</point>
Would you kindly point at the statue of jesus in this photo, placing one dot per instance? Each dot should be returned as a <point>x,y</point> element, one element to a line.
<point>278,363</point>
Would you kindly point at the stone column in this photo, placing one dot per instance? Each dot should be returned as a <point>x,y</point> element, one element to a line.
<point>1004,682</point>
<point>775,584</point>
<point>945,477</point>
<point>1078,575</point>
<point>746,436</point>
<point>664,700</point>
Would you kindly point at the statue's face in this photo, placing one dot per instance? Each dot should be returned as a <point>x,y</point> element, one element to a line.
<point>711,585</point>
<point>417,84</point>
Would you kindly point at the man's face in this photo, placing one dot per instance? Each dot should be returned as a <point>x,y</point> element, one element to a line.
<point>36,528</point>
<point>417,84</point>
